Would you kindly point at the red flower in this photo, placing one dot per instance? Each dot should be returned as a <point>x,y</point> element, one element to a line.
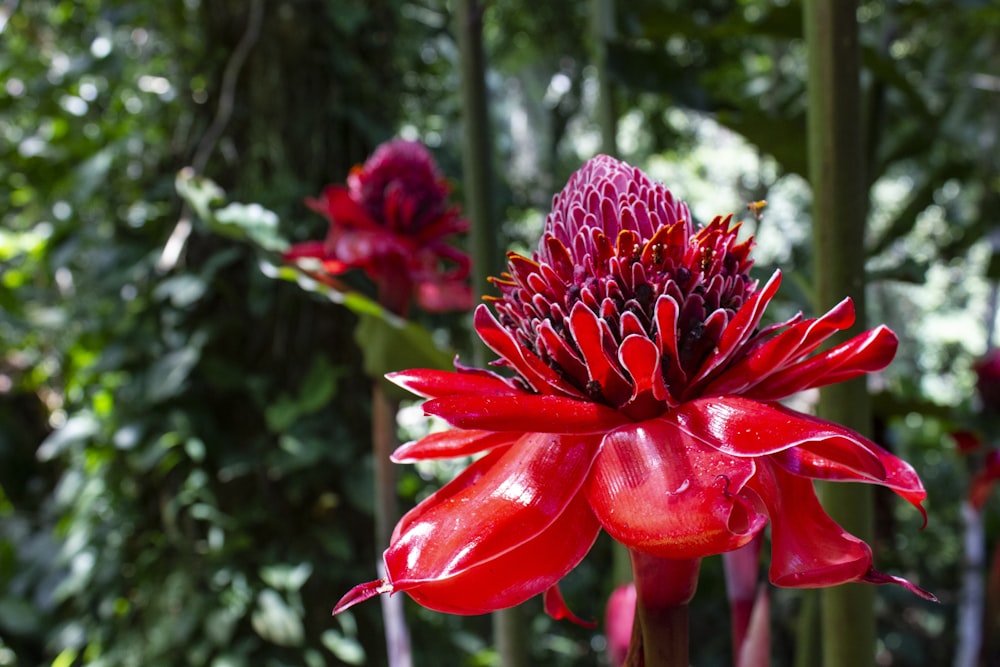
<point>643,401</point>
<point>983,481</point>
<point>392,220</point>
<point>988,380</point>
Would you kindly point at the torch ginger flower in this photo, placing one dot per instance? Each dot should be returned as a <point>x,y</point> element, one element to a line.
<point>391,221</point>
<point>642,401</point>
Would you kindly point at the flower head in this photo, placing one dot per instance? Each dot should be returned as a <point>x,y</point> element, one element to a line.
<point>641,399</point>
<point>392,221</point>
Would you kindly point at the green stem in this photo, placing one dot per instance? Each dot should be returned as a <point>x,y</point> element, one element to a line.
<point>837,172</point>
<point>664,587</point>
<point>603,23</point>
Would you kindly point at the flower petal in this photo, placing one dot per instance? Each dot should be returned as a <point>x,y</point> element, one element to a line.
<point>744,427</point>
<point>863,462</point>
<point>525,412</point>
<point>865,353</point>
<point>639,356</point>
<point>658,490</point>
<point>500,501</point>
<point>593,341</point>
<point>556,607</point>
<point>501,532</point>
<point>740,328</point>
<point>540,377</point>
<point>788,346</point>
<point>451,444</point>
<point>808,548</point>
<point>431,383</point>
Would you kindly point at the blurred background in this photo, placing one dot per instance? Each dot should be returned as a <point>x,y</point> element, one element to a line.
<point>185,467</point>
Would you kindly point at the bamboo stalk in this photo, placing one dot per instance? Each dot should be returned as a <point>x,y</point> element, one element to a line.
<point>837,171</point>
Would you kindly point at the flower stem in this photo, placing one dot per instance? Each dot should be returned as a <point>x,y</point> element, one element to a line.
<point>664,587</point>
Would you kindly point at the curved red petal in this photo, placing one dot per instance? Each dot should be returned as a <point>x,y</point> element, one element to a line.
<point>741,426</point>
<point>431,383</point>
<point>638,355</point>
<point>865,353</point>
<point>657,490</point>
<point>593,343</point>
<point>337,206</point>
<point>517,575</point>
<point>865,462</point>
<point>740,328</point>
<point>789,346</point>
<point>525,412</point>
<point>808,548</point>
<point>360,593</point>
<point>540,377</point>
<point>451,444</point>
<point>500,502</point>
<point>556,607</point>
<point>666,312</point>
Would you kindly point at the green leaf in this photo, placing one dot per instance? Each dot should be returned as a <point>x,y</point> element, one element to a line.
<point>317,389</point>
<point>275,621</point>
<point>285,576</point>
<point>390,343</point>
<point>252,221</point>
<point>235,220</point>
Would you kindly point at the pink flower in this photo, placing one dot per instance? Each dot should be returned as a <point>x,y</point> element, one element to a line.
<point>392,221</point>
<point>618,618</point>
<point>642,400</point>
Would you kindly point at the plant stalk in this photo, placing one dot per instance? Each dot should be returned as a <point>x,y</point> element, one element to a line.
<point>837,173</point>
<point>664,587</point>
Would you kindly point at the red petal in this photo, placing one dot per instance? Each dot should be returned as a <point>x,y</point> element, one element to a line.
<point>740,328</point>
<point>540,377</point>
<point>360,593</point>
<point>525,412</point>
<point>639,356</point>
<point>865,353</point>
<point>451,444</point>
<point>499,502</point>
<point>431,383</point>
<point>983,481</point>
<point>788,346</point>
<point>666,313</point>
<point>865,462</point>
<point>591,339</point>
<point>659,491</point>
<point>506,529</point>
<point>743,427</point>
<point>556,607</point>
<point>337,206</point>
<point>310,249</point>
<point>808,548</point>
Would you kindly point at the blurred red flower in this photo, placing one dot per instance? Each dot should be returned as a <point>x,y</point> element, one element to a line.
<point>392,220</point>
<point>644,401</point>
<point>988,380</point>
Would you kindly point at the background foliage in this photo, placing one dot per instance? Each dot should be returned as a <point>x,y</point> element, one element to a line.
<point>184,477</point>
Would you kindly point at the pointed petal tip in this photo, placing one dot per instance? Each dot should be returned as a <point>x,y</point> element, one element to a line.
<point>360,593</point>
<point>873,576</point>
<point>556,607</point>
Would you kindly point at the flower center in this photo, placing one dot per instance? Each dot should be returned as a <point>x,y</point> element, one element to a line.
<point>679,289</point>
